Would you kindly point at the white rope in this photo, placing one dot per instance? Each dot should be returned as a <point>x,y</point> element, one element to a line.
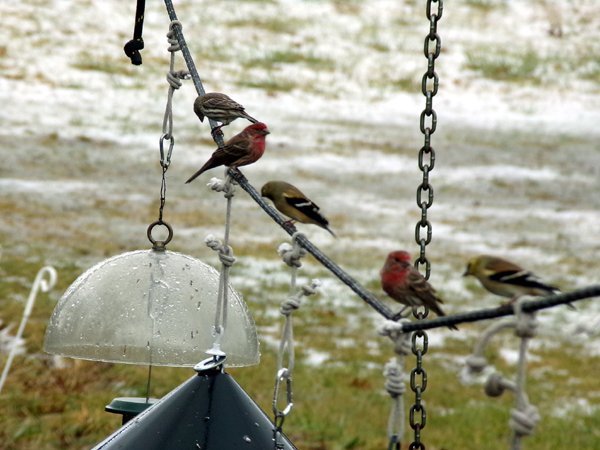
<point>291,255</point>
<point>173,78</point>
<point>288,306</point>
<point>395,375</point>
<point>524,416</point>
<point>476,363</point>
<point>227,259</point>
<point>401,341</point>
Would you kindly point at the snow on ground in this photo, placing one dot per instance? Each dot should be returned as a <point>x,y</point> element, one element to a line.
<point>518,161</point>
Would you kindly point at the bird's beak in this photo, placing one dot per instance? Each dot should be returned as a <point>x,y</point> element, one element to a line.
<point>466,272</point>
<point>265,132</point>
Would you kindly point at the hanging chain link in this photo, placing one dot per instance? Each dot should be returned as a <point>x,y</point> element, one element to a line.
<point>423,229</point>
<point>427,124</point>
<point>417,416</point>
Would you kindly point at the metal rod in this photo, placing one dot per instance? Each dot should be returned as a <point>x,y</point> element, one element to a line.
<point>505,310</point>
<point>303,241</point>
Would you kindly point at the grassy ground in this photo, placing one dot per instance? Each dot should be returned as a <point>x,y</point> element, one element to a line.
<point>80,181</point>
<point>340,403</point>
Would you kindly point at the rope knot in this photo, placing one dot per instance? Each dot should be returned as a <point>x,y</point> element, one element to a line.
<point>523,421</point>
<point>226,186</point>
<point>289,305</point>
<point>291,254</point>
<point>225,251</point>
<point>174,78</point>
<point>292,303</point>
<point>171,38</point>
<point>394,384</point>
<point>401,340</point>
<point>475,363</point>
<point>310,289</point>
<point>526,324</point>
<point>495,385</point>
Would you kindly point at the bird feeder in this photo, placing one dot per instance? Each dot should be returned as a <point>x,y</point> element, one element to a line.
<point>149,307</point>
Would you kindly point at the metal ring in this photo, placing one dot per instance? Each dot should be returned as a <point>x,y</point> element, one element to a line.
<point>208,364</point>
<point>159,245</point>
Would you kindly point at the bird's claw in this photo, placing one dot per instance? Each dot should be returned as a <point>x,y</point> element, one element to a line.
<point>216,131</point>
<point>400,314</point>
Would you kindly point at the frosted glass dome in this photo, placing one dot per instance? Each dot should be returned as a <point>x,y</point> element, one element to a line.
<point>149,307</point>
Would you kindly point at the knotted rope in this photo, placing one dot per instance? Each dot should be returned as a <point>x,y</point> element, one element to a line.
<point>291,255</point>
<point>524,416</point>
<point>394,378</point>
<point>174,79</point>
<point>227,259</point>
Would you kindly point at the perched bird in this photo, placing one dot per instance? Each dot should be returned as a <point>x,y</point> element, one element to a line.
<point>504,278</point>
<point>220,108</point>
<point>290,201</point>
<point>405,284</point>
<point>242,149</point>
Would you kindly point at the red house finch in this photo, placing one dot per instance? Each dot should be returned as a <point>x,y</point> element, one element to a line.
<point>220,108</point>
<point>504,278</point>
<point>242,149</point>
<point>405,284</point>
<point>290,201</point>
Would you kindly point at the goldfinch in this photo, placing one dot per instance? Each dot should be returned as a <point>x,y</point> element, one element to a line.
<point>290,201</point>
<point>504,278</point>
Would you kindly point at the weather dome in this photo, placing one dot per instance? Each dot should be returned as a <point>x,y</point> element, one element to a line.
<point>149,307</point>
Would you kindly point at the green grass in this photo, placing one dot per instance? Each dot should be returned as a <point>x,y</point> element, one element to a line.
<point>504,65</point>
<point>276,57</point>
<point>270,85</point>
<point>271,24</point>
<point>340,404</point>
<point>485,5</point>
<point>103,63</point>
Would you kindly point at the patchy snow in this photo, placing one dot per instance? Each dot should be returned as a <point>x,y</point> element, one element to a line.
<point>315,358</point>
<point>518,162</point>
<point>573,406</point>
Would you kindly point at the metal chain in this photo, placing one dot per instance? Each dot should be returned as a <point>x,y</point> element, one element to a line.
<point>165,162</point>
<point>427,124</point>
<point>426,161</point>
<point>418,384</point>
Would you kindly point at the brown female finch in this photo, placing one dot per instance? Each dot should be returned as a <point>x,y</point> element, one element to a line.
<point>242,149</point>
<point>290,201</point>
<point>405,284</point>
<point>220,108</point>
